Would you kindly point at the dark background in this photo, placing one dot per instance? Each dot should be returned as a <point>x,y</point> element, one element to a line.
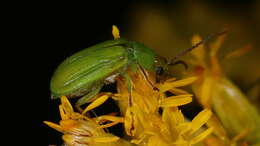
<point>44,34</point>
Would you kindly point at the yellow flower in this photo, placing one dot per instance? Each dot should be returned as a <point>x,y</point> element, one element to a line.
<point>140,109</point>
<point>80,130</point>
<point>142,119</point>
<point>236,119</point>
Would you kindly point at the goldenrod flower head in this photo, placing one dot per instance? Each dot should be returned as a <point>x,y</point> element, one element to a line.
<point>142,120</point>
<point>140,107</point>
<point>79,130</point>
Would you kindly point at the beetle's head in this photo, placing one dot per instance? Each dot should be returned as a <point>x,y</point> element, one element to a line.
<point>161,67</point>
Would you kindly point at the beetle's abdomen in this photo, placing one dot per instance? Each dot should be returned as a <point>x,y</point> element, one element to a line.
<point>87,68</point>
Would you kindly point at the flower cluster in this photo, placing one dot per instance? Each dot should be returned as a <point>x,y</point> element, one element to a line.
<point>141,117</point>
<point>236,120</point>
<point>80,130</point>
<point>143,121</point>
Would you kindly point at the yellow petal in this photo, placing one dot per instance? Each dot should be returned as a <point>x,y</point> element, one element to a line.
<point>116,96</point>
<point>184,127</point>
<point>169,84</point>
<point>178,91</point>
<point>68,109</point>
<point>201,136</point>
<point>63,114</point>
<point>156,141</point>
<point>165,87</point>
<point>216,45</point>
<point>115,32</point>
<point>108,125</point>
<point>74,140</point>
<point>171,80</point>
<point>172,116</point>
<point>77,116</point>
<point>176,100</point>
<point>105,139</point>
<point>215,67</point>
<point>179,116</point>
<point>140,139</point>
<point>68,125</point>
<point>239,52</point>
<point>111,118</point>
<point>200,120</point>
<point>96,103</point>
<point>184,82</point>
<point>219,130</point>
<point>180,142</point>
<point>206,90</point>
<point>54,126</point>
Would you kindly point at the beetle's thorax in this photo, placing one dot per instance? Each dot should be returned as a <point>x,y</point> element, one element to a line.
<point>141,55</point>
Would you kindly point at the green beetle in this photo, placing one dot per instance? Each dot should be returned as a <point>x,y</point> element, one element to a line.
<point>85,72</point>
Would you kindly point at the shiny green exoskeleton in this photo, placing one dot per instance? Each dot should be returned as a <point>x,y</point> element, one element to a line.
<point>85,72</point>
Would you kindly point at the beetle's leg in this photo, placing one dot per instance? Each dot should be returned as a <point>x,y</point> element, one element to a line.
<point>86,98</point>
<point>129,88</point>
<point>145,74</point>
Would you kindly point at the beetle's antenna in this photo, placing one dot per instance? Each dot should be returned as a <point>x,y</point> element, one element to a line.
<point>172,62</point>
<point>181,63</point>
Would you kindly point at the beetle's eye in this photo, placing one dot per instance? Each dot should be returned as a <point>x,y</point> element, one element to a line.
<point>159,70</point>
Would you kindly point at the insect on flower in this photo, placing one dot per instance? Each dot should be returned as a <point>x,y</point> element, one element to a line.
<point>135,68</point>
<point>84,73</point>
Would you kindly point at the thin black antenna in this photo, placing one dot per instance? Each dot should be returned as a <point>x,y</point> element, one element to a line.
<point>197,45</point>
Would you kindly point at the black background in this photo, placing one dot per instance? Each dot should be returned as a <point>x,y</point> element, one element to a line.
<point>41,35</point>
